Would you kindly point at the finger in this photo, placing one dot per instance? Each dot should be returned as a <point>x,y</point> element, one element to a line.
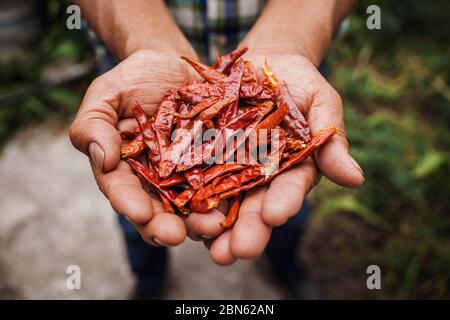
<point>286,193</point>
<point>124,191</point>
<point>250,234</point>
<point>220,250</point>
<point>333,159</point>
<point>164,229</point>
<point>127,197</point>
<point>128,124</point>
<point>93,131</point>
<point>207,226</point>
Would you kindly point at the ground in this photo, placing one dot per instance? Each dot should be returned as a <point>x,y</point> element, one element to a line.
<point>53,216</point>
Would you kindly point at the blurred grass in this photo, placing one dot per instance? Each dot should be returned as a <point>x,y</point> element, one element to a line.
<point>394,82</point>
<point>27,67</point>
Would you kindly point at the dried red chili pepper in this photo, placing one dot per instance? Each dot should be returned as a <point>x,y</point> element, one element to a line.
<point>252,96</point>
<point>293,145</point>
<point>191,98</point>
<point>246,187</point>
<point>183,109</point>
<point>181,144</point>
<point>167,204</point>
<point>274,119</point>
<point>148,133</point>
<point>317,140</point>
<point>205,104</point>
<point>196,93</point>
<point>249,120</point>
<point>209,74</point>
<point>221,169</point>
<point>195,177</point>
<point>215,109</point>
<point>174,179</point>
<point>206,150</point>
<point>217,180</point>
<point>249,75</point>
<point>196,156</point>
<point>232,88</point>
<point>251,89</point>
<point>225,62</point>
<point>164,120</point>
<point>231,182</point>
<point>181,124</point>
<point>294,119</point>
<point>133,148</point>
<point>232,213</point>
<point>149,176</point>
<point>203,206</point>
<point>244,119</point>
<point>184,197</point>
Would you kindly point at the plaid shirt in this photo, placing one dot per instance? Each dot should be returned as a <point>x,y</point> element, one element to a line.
<point>212,26</point>
<point>215,25</point>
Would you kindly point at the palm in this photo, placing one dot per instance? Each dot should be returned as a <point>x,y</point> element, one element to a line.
<point>301,76</point>
<point>145,76</point>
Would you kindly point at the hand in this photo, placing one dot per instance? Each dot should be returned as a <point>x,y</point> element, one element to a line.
<point>273,205</point>
<point>106,107</point>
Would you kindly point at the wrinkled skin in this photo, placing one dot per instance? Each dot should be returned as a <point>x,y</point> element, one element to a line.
<point>266,207</point>
<point>145,76</point>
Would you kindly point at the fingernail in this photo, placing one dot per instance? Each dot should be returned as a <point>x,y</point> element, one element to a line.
<point>356,165</point>
<point>97,155</point>
<point>158,242</point>
<point>206,237</point>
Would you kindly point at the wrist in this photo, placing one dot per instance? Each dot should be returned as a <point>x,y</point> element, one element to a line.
<point>314,53</point>
<point>303,28</point>
<point>172,48</point>
<point>129,26</point>
<point>313,45</point>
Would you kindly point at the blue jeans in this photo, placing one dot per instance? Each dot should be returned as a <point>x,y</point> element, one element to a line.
<point>148,263</point>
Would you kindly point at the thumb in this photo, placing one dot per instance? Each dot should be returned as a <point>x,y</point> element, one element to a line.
<point>93,131</point>
<point>333,159</point>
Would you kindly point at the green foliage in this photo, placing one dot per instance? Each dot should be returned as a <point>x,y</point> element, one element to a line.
<point>397,111</point>
<point>26,67</point>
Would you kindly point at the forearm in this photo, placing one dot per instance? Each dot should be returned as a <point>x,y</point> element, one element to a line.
<point>305,27</point>
<point>128,26</point>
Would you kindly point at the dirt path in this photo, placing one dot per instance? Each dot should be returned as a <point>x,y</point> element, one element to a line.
<point>52,216</point>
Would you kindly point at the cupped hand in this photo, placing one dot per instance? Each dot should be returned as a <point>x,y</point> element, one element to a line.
<point>106,107</point>
<point>269,206</point>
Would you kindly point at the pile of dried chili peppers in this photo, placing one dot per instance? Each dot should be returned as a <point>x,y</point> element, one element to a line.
<point>162,153</point>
